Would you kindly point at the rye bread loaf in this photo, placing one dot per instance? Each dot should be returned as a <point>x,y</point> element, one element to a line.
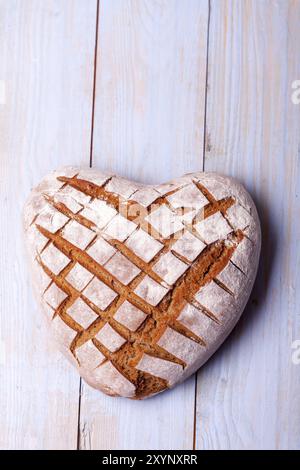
<point>140,284</point>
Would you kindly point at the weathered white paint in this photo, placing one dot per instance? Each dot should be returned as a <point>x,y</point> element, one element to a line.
<point>248,394</point>
<point>149,121</point>
<point>149,125</point>
<point>150,93</point>
<point>46,50</point>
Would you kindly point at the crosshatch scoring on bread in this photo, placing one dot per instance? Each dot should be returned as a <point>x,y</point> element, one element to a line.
<point>140,284</point>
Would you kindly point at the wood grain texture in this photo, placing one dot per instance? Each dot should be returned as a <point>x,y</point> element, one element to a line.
<point>248,394</point>
<point>148,125</point>
<point>149,122</point>
<point>150,89</point>
<point>46,50</point>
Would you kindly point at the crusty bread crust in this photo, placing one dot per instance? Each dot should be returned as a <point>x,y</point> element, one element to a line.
<point>141,284</point>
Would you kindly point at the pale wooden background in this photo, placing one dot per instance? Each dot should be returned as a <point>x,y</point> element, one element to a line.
<point>153,89</point>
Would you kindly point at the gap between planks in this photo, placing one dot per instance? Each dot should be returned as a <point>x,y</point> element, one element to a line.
<point>91,164</point>
<point>203,168</point>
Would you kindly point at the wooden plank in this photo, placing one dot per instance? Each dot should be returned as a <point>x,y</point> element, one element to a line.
<point>150,88</point>
<point>46,71</point>
<point>149,115</point>
<point>248,394</point>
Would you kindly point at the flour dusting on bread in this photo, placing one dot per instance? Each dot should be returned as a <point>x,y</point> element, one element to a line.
<point>140,284</point>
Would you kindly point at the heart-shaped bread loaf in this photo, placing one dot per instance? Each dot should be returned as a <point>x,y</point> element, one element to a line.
<point>141,284</point>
